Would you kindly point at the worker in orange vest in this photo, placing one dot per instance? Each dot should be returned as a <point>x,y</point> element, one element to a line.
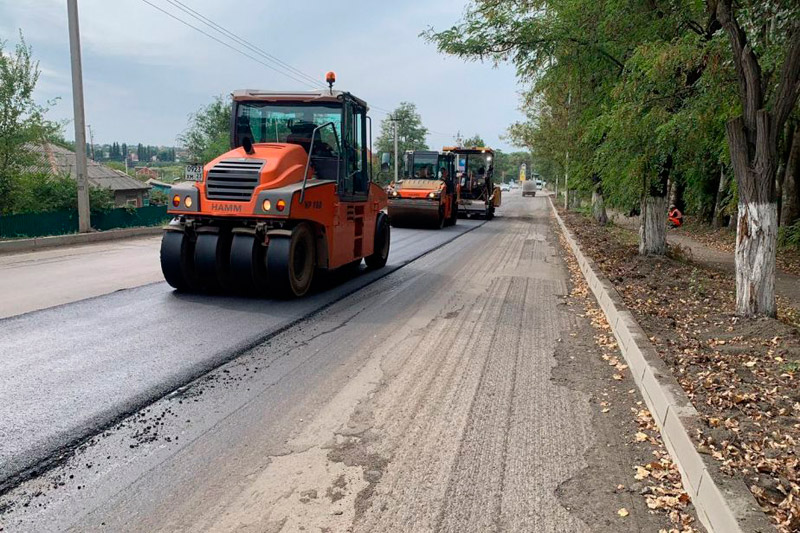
<point>675,217</point>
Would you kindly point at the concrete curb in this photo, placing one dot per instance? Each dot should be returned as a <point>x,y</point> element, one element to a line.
<point>27,245</point>
<point>724,505</point>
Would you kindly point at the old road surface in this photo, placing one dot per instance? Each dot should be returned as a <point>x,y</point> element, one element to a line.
<point>421,400</point>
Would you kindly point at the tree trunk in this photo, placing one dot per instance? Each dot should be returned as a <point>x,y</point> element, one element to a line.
<point>673,191</point>
<point>653,220</point>
<point>791,185</point>
<point>757,220</point>
<point>724,181</point>
<point>653,226</point>
<point>599,207</point>
<point>598,201</point>
<point>574,200</point>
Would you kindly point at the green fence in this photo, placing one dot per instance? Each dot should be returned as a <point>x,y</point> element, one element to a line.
<point>64,222</point>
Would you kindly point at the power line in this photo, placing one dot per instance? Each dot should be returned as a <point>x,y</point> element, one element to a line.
<point>219,28</point>
<point>304,82</point>
<point>293,73</point>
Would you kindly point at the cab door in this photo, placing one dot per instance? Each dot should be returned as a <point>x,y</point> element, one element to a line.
<point>350,231</point>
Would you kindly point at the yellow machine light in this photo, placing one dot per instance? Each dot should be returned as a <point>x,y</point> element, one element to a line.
<point>176,200</point>
<point>281,205</point>
<point>431,195</point>
<point>187,202</point>
<point>267,205</point>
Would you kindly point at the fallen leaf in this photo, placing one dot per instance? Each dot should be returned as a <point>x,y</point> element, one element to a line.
<point>623,512</point>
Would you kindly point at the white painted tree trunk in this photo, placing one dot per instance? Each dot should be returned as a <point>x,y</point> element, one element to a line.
<point>599,208</point>
<point>756,240</point>
<point>653,226</point>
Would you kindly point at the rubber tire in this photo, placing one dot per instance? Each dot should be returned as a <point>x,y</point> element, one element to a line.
<point>290,275</point>
<point>383,241</point>
<point>212,254</point>
<point>177,254</point>
<point>248,265</point>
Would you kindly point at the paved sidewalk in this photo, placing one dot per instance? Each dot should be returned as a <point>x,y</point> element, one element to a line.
<point>786,285</point>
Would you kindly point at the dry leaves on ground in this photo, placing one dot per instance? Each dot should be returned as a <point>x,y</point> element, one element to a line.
<point>741,375</point>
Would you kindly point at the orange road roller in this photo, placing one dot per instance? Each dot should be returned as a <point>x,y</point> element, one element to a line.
<point>478,194</point>
<point>428,195</point>
<point>293,196</point>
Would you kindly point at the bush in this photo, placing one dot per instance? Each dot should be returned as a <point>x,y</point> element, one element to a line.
<point>158,197</point>
<point>41,192</point>
<point>789,236</point>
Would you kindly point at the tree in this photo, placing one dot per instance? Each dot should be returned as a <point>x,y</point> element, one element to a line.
<point>208,134</point>
<point>475,140</point>
<point>410,131</point>
<point>753,140</point>
<point>22,120</point>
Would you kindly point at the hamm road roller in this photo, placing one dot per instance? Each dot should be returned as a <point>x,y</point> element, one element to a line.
<point>293,195</point>
<point>428,195</point>
<point>478,194</point>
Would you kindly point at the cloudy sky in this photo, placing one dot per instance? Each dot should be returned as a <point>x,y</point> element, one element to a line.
<point>145,72</point>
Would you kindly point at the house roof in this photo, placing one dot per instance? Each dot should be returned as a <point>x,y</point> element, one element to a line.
<point>58,160</point>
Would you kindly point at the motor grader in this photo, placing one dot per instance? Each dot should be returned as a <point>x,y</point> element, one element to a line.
<point>294,195</point>
<point>428,194</point>
<point>478,194</point>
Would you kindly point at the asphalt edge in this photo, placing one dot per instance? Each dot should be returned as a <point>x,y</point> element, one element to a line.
<point>38,243</point>
<point>59,455</point>
<point>723,505</point>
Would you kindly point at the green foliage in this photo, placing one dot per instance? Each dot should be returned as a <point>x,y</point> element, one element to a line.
<point>158,197</point>
<point>622,93</point>
<point>789,236</point>
<point>22,120</point>
<point>40,192</point>
<point>506,165</point>
<point>208,134</point>
<point>476,140</point>
<point>410,131</point>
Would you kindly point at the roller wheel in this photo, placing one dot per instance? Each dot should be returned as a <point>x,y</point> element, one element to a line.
<point>212,253</point>
<point>248,265</point>
<point>380,253</point>
<point>177,251</point>
<point>290,263</point>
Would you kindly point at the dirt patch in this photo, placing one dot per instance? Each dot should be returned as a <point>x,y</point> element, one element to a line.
<point>741,375</point>
<point>633,487</point>
<point>724,239</point>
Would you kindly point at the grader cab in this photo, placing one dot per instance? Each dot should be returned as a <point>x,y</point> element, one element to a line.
<point>292,196</point>
<point>479,196</point>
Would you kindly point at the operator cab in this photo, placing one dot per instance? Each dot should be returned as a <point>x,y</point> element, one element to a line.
<point>330,126</point>
<point>431,165</point>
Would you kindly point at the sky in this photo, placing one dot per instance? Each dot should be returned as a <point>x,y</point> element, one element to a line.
<point>145,72</point>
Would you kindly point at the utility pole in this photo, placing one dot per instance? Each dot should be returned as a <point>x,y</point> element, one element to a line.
<point>91,142</point>
<point>84,225</point>
<point>396,157</point>
<point>566,168</point>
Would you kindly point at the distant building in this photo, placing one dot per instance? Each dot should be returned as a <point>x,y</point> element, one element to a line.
<point>146,173</point>
<point>159,185</point>
<point>127,191</point>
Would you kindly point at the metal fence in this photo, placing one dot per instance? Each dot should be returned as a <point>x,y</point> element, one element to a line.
<point>64,222</point>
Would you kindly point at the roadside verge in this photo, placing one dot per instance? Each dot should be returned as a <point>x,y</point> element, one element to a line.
<point>723,505</point>
<point>37,243</point>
